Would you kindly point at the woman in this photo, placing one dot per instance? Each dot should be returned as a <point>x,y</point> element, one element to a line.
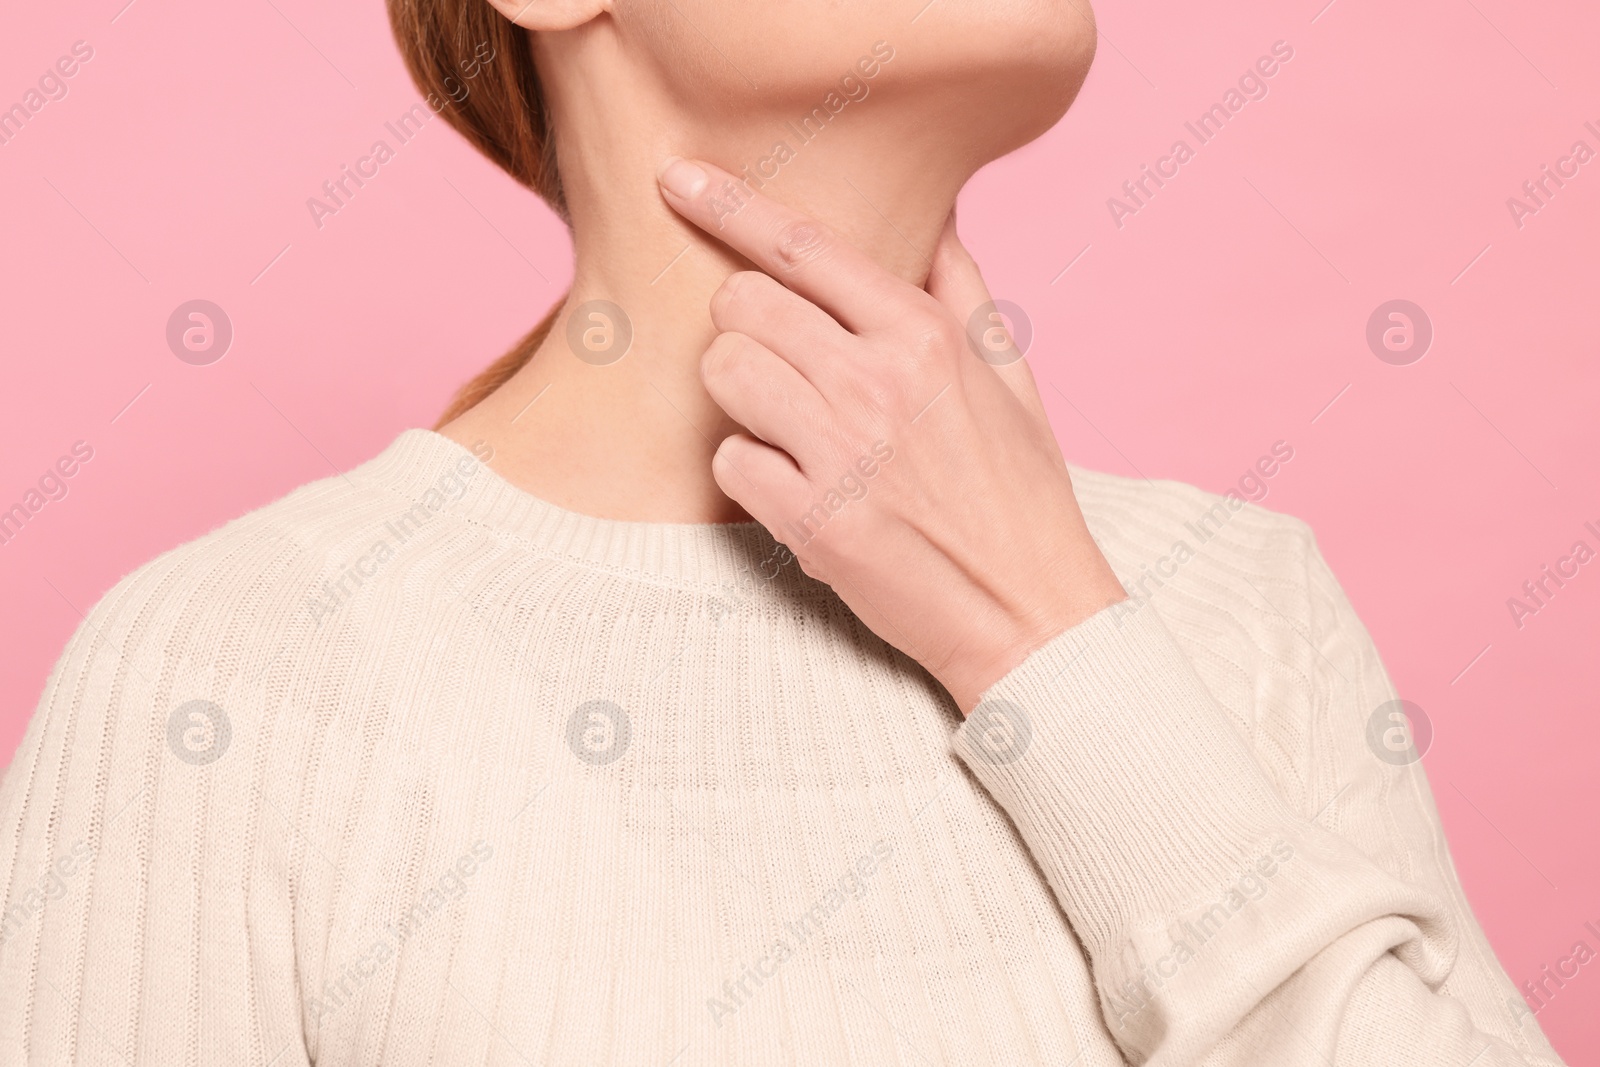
<point>738,676</point>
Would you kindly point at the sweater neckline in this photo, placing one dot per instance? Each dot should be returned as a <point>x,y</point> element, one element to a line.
<point>737,558</point>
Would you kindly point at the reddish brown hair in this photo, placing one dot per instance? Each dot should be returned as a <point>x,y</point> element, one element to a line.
<point>500,108</point>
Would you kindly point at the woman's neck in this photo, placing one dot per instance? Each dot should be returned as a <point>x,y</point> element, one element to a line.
<point>633,439</point>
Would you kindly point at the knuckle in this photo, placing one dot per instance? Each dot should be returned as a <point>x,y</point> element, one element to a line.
<point>724,355</point>
<point>739,296</point>
<point>882,392</point>
<point>726,447</point>
<point>798,243</point>
<point>935,336</point>
<point>886,398</point>
<point>811,567</point>
<point>953,257</point>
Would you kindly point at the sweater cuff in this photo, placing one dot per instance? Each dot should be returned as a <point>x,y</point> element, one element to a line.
<point>1132,789</point>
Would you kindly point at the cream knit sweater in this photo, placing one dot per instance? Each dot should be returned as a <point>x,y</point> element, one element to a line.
<point>410,767</point>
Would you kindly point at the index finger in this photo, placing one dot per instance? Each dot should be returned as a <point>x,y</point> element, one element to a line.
<point>792,247</point>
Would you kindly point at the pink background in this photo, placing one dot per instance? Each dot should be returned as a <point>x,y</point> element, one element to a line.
<point>1222,317</point>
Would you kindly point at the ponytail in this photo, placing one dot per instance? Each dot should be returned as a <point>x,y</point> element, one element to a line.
<point>478,65</point>
<point>500,371</point>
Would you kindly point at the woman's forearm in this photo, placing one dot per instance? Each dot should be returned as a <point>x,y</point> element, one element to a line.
<point>1221,925</point>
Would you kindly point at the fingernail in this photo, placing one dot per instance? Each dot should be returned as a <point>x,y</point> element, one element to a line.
<point>681,178</point>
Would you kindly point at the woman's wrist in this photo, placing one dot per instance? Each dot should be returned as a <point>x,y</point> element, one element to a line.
<point>1080,592</point>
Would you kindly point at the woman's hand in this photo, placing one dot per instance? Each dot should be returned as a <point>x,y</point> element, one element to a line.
<point>919,480</point>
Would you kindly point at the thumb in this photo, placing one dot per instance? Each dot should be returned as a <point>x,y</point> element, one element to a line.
<point>956,282</point>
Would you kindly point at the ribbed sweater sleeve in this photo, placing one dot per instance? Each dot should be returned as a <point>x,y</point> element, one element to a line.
<point>1222,926</point>
<point>148,914</point>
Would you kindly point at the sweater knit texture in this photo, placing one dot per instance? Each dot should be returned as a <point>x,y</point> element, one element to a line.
<point>411,767</point>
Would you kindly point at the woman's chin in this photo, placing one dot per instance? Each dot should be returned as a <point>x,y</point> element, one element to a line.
<point>1049,59</point>
<point>999,107</point>
<point>1017,72</point>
